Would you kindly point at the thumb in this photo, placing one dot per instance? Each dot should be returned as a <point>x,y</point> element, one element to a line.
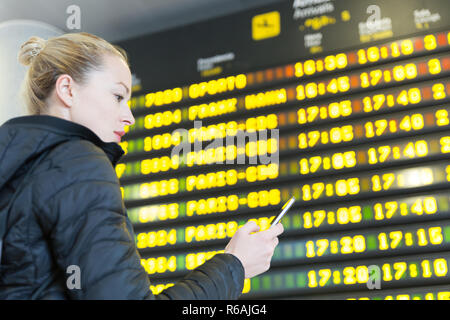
<point>250,227</point>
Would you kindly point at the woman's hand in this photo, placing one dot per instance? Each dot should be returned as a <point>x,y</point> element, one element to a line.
<point>255,251</point>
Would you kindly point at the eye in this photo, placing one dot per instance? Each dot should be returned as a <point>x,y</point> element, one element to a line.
<point>119,97</point>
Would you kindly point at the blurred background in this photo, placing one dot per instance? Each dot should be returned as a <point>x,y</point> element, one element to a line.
<point>342,104</point>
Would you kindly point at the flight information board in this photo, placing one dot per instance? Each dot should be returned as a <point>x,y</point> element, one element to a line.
<point>342,104</point>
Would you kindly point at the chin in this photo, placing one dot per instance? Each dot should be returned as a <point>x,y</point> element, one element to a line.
<point>109,140</point>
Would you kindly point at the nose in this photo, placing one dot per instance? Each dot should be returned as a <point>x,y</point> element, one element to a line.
<point>128,117</point>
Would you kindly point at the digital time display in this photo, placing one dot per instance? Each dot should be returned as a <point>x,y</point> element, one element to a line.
<point>357,128</point>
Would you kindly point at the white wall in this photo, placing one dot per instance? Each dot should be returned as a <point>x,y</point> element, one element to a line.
<point>13,34</point>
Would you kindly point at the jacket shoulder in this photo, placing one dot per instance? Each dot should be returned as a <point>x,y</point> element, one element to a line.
<point>81,157</point>
<point>74,162</point>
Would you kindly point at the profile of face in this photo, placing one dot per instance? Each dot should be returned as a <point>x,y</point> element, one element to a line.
<point>100,104</point>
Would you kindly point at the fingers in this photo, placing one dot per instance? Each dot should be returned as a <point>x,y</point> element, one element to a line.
<point>276,230</point>
<point>275,242</point>
<point>279,229</point>
<point>250,227</point>
<point>271,235</point>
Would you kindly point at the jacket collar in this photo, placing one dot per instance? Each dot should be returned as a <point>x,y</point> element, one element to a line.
<point>58,125</point>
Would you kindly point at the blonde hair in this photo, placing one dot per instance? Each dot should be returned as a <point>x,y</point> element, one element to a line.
<point>75,54</point>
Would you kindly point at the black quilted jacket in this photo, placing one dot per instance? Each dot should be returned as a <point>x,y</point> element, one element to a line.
<point>69,211</point>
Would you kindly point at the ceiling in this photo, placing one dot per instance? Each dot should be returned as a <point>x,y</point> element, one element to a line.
<point>116,20</point>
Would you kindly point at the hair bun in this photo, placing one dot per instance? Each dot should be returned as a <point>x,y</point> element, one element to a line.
<point>31,49</point>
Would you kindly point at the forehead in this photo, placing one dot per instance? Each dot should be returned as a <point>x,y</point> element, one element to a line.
<point>116,69</point>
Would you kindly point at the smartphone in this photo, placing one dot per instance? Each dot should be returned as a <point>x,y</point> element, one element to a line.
<point>284,209</point>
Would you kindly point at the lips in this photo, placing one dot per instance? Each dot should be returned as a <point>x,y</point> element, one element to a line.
<point>119,134</point>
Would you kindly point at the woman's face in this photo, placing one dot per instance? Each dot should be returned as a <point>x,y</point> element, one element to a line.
<point>101,103</point>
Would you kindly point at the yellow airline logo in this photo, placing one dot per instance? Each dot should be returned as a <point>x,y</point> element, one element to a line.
<point>266,25</point>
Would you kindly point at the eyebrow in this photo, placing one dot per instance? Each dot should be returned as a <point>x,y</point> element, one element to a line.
<point>128,90</point>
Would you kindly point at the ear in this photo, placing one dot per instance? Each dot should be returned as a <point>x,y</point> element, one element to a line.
<point>64,89</point>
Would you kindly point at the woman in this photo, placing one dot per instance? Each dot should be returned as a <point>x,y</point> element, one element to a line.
<point>60,199</point>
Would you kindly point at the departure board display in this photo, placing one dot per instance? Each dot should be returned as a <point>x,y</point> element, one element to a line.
<point>342,104</point>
